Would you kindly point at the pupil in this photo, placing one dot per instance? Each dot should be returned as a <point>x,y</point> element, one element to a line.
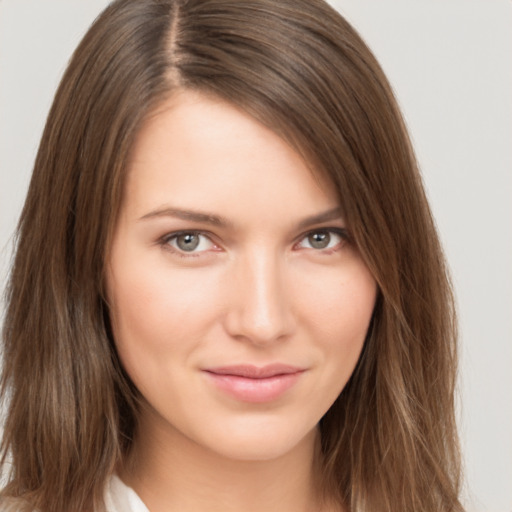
<point>187,242</point>
<point>319,240</point>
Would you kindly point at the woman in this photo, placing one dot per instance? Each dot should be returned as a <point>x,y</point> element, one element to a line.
<point>228,290</point>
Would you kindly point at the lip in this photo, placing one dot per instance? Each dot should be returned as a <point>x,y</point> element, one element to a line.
<point>256,384</point>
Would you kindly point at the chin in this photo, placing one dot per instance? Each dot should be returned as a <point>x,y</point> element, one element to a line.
<point>260,442</point>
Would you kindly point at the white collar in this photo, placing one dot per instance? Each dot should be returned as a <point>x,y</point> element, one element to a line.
<point>121,498</point>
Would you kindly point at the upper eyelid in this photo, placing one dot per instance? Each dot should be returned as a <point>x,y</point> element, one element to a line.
<point>165,239</point>
<point>209,234</point>
<point>341,231</point>
<point>174,234</point>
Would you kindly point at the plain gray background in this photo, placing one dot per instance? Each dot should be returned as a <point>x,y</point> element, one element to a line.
<point>450,63</point>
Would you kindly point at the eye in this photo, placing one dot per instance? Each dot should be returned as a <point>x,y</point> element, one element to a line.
<point>323,239</point>
<point>189,242</point>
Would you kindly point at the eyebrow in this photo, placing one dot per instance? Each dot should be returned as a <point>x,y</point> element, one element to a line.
<point>190,215</point>
<point>216,220</point>
<point>333,214</point>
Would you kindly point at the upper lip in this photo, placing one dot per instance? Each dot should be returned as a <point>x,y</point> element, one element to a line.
<point>250,371</point>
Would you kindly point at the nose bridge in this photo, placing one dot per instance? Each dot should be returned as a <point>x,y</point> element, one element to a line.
<point>260,310</point>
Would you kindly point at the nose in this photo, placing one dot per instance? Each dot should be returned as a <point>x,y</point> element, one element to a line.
<point>260,309</point>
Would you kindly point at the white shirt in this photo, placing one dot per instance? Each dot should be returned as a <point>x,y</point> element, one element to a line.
<point>118,498</point>
<point>121,498</point>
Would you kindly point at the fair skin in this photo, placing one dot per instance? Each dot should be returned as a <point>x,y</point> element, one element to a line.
<point>239,308</point>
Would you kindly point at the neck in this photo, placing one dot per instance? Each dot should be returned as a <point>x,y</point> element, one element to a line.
<point>171,472</point>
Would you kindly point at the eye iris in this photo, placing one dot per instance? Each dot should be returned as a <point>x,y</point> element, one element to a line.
<point>187,242</point>
<point>319,240</point>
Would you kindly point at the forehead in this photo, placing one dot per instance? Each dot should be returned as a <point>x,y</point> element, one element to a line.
<point>200,151</point>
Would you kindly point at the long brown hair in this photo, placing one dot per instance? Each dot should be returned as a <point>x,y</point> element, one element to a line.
<point>389,441</point>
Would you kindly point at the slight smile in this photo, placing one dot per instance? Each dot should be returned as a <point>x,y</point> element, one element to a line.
<point>249,383</point>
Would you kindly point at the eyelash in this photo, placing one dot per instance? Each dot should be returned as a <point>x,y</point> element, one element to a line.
<point>165,241</point>
<point>340,232</point>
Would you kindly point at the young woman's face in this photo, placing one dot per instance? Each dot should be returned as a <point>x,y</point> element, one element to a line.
<point>239,305</point>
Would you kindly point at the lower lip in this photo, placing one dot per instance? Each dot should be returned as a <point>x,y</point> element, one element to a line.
<point>254,390</point>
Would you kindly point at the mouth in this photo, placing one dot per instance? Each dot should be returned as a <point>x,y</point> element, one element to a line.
<point>249,383</point>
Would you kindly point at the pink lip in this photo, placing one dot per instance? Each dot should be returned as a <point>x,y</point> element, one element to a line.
<point>250,383</point>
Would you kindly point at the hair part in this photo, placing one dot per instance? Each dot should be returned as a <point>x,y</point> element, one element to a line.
<point>389,442</point>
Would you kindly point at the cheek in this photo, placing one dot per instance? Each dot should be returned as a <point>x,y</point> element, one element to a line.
<point>340,308</point>
<point>340,303</point>
<point>156,313</point>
